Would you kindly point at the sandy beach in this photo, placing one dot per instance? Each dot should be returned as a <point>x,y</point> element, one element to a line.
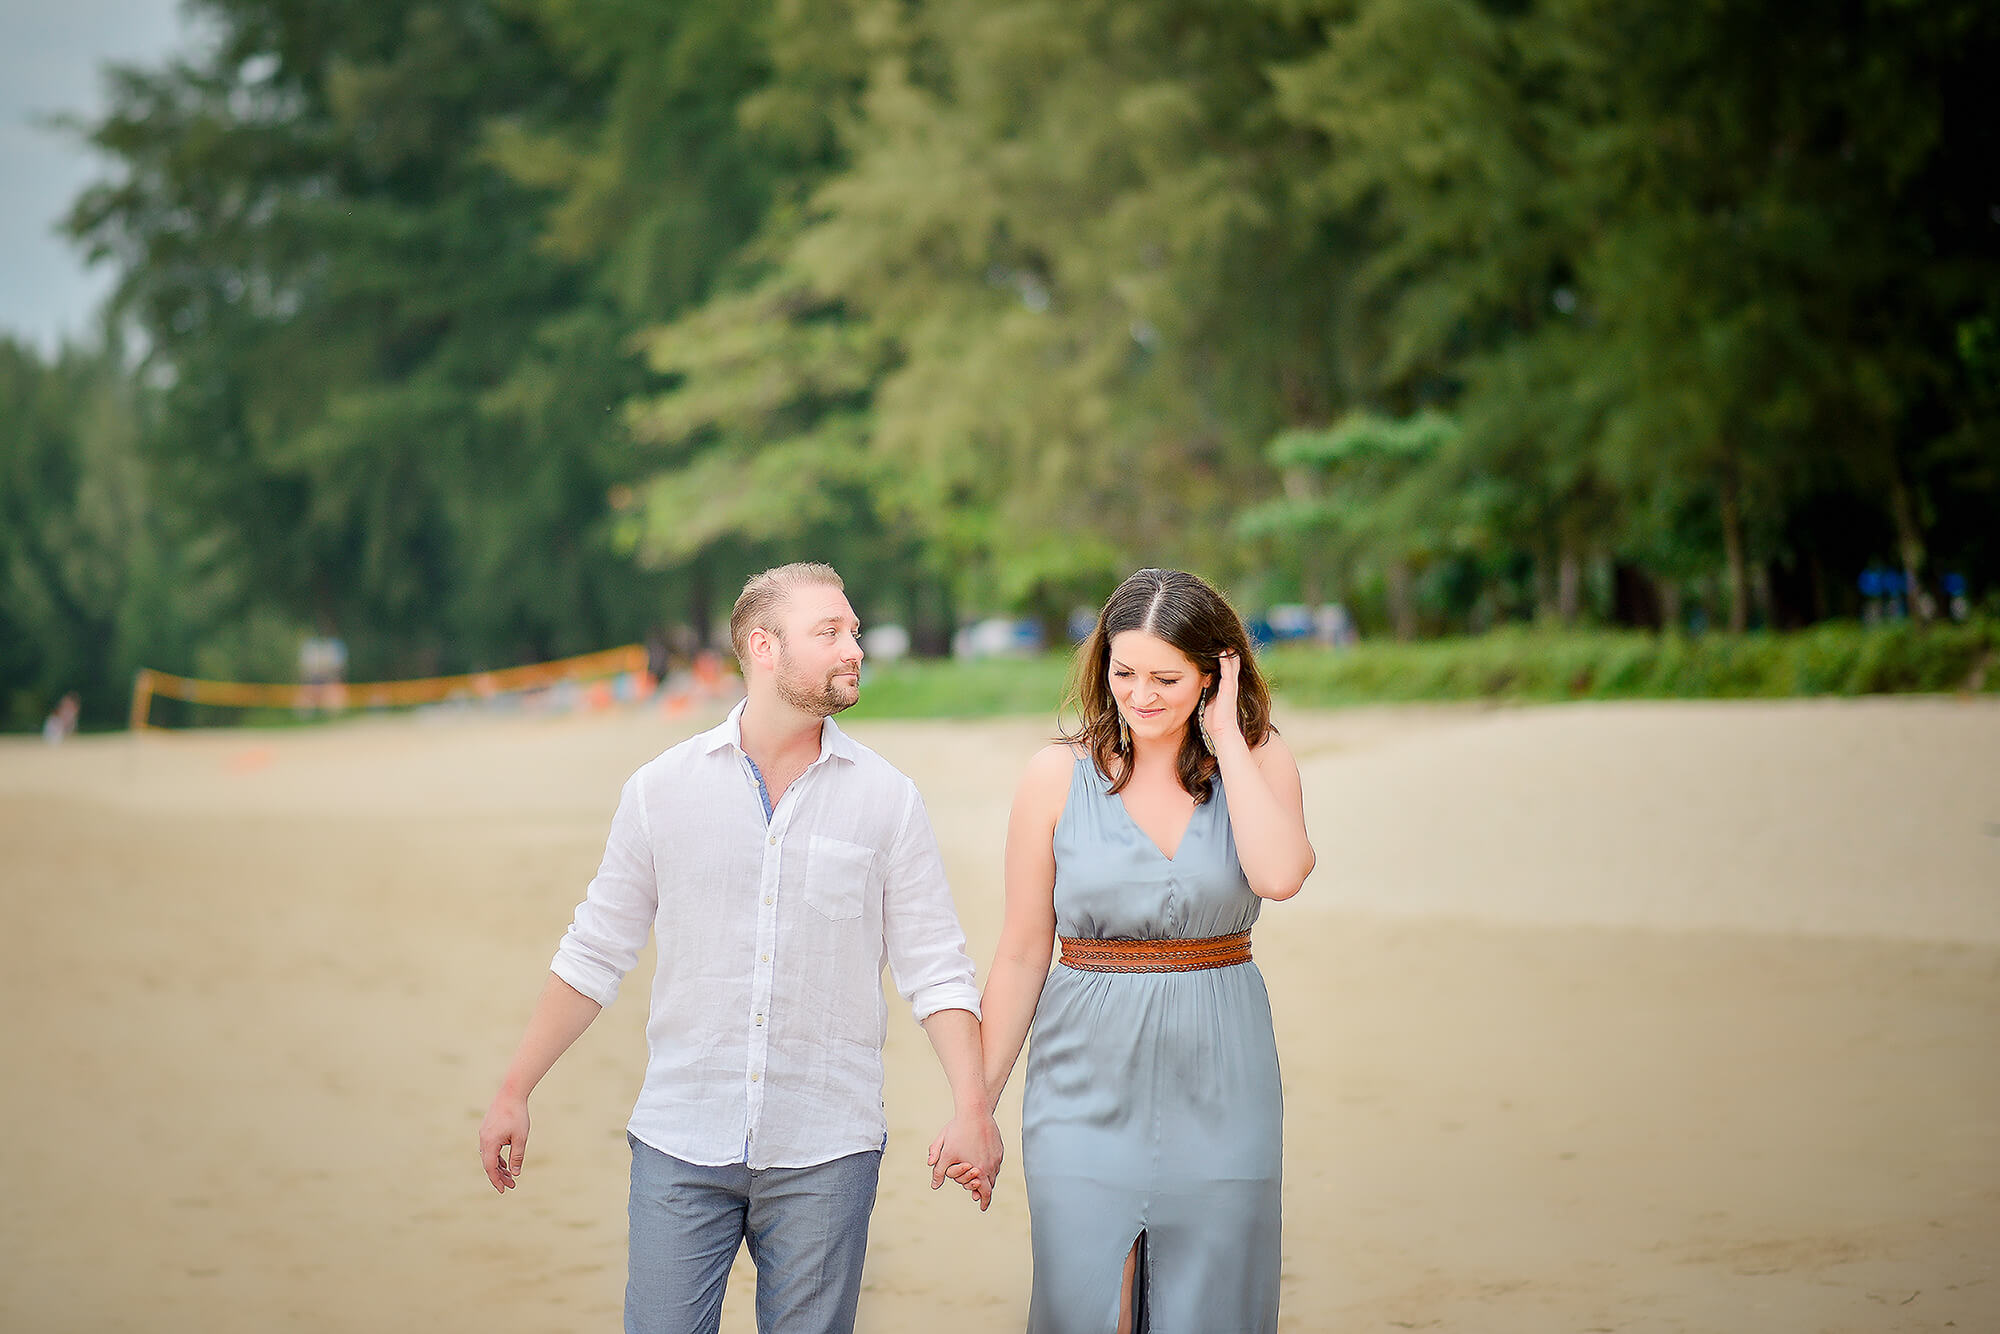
<point>1641,1017</point>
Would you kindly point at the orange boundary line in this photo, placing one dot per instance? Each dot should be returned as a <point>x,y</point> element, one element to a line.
<point>377,694</point>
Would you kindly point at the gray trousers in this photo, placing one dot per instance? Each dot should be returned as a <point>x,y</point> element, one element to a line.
<point>807,1228</point>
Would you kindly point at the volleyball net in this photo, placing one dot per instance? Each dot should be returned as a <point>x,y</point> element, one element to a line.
<point>591,680</point>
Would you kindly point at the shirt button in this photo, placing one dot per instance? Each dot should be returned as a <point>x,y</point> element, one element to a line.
<point>767,898</point>
<point>763,958</point>
<point>774,840</point>
<point>754,1077</point>
<point>760,1021</point>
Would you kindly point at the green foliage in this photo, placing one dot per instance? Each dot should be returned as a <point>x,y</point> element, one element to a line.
<point>90,580</point>
<point>1361,494</point>
<point>388,404</point>
<point>491,330</point>
<point>1049,219</point>
<point>1663,259</point>
<point>1838,658</point>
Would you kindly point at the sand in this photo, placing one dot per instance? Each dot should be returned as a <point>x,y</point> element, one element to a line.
<point>1675,1017</point>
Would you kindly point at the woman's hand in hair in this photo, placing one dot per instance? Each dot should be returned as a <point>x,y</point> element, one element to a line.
<point>1220,712</point>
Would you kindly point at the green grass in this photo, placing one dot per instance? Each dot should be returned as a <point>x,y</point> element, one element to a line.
<point>1830,659</point>
<point>1514,664</point>
<point>944,688</point>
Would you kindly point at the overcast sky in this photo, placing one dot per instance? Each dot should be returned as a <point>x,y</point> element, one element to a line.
<point>51,52</point>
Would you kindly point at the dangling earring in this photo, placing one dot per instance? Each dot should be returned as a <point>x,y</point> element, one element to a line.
<point>1201,721</point>
<point>1124,735</point>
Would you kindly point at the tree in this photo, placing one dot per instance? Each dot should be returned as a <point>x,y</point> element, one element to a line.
<point>89,579</point>
<point>1657,253</point>
<point>744,447</point>
<point>351,305</point>
<point>1063,235</point>
<point>1358,495</point>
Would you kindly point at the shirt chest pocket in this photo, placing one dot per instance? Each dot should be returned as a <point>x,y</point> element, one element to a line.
<point>837,877</point>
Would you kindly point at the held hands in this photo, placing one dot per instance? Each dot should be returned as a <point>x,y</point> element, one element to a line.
<point>1218,715</point>
<point>969,1152</point>
<point>505,1127</point>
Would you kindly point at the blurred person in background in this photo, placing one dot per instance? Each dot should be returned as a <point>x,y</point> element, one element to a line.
<point>323,672</point>
<point>778,863</point>
<point>1146,840</point>
<point>658,660</point>
<point>60,725</point>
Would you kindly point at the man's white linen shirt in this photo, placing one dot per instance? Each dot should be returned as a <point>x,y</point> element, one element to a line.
<point>765,1037</point>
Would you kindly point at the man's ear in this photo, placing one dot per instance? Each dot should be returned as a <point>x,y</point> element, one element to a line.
<point>761,643</point>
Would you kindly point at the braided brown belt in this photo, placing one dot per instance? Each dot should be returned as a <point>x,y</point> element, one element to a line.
<point>1155,956</point>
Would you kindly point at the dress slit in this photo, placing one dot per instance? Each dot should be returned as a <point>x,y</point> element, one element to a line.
<point>1142,1284</point>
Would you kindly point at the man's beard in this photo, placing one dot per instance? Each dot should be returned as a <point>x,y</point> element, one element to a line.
<point>820,697</point>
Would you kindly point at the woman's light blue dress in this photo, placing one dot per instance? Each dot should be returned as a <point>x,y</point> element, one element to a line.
<point>1153,1104</point>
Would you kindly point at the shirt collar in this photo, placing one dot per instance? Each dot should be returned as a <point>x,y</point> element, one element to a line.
<point>729,732</point>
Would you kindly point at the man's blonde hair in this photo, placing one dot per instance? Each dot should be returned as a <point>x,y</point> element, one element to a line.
<point>758,605</point>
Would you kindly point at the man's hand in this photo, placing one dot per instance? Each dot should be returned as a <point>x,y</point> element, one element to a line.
<point>561,1014</point>
<point>505,1128</point>
<point>969,1152</point>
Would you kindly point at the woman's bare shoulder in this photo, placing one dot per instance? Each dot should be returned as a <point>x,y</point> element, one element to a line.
<point>1276,763</point>
<point>1048,769</point>
<point>1044,786</point>
<point>1273,748</point>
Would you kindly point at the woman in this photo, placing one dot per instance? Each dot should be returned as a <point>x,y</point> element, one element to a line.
<point>1147,839</point>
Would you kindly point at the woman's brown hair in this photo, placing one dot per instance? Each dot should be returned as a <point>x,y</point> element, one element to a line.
<point>1185,611</point>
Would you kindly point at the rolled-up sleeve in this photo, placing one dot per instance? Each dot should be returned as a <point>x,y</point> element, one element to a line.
<point>920,927</point>
<point>610,927</point>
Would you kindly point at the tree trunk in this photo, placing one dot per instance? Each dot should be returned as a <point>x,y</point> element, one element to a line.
<point>1402,614</point>
<point>1732,547</point>
<point>1910,546</point>
<point>1312,583</point>
<point>1298,483</point>
<point>1546,585</point>
<point>929,617</point>
<point>1669,591</point>
<point>1569,585</point>
<point>698,603</point>
<point>1635,598</point>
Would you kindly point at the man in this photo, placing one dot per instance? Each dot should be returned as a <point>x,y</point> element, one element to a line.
<point>780,864</point>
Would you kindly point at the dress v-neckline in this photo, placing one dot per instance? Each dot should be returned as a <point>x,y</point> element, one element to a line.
<point>1169,857</point>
